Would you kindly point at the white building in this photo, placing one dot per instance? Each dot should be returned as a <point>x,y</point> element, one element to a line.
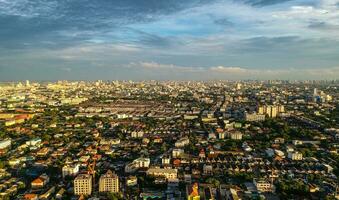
<point>296,155</point>
<point>236,136</point>
<point>263,185</point>
<point>142,162</point>
<point>136,164</point>
<point>110,141</point>
<point>271,110</point>
<point>70,170</point>
<point>5,143</point>
<point>163,172</point>
<point>165,160</point>
<point>131,181</point>
<point>297,142</point>
<point>221,135</point>
<point>254,117</point>
<point>279,153</point>
<point>137,134</point>
<point>182,142</point>
<point>177,153</point>
<point>34,142</point>
<point>208,169</point>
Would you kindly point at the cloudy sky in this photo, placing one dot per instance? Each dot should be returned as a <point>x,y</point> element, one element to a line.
<point>169,39</point>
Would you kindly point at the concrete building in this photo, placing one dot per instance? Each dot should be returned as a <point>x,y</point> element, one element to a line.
<point>136,164</point>
<point>254,117</point>
<point>208,169</point>
<point>177,153</point>
<point>40,182</point>
<point>83,184</point>
<point>165,160</point>
<point>34,142</point>
<point>271,111</point>
<point>5,143</point>
<point>263,185</point>
<point>295,155</point>
<point>131,181</point>
<point>163,172</point>
<point>236,136</point>
<point>70,170</point>
<point>182,142</point>
<point>109,182</point>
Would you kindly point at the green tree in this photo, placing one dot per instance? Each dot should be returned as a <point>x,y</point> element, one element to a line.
<point>114,196</point>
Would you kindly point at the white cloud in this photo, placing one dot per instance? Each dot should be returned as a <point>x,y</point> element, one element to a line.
<point>93,51</point>
<point>164,67</point>
<point>28,8</point>
<point>235,70</point>
<point>228,72</point>
<point>153,65</point>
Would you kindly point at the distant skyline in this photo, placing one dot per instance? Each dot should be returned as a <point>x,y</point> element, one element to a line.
<point>169,39</point>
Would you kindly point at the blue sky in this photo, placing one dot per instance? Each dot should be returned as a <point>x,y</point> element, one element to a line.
<point>169,39</point>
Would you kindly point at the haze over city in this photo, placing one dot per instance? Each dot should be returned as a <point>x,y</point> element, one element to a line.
<point>169,39</point>
<point>169,99</point>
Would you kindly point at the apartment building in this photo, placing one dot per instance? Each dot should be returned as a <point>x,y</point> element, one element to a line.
<point>109,182</point>
<point>83,184</point>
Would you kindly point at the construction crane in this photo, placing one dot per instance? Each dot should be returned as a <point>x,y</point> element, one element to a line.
<point>91,170</point>
<point>91,167</point>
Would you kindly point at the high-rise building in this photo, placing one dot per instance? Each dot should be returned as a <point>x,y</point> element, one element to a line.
<point>238,86</point>
<point>274,111</point>
<point>261,110</point>
<point>281,109</point>
<point>109,182</point>
<point>83,184</point>
<point>271,111</point>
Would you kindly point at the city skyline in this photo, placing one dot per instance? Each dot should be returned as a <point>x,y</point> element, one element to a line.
<point>169,40</point>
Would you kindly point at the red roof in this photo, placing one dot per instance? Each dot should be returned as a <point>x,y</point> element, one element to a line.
<point>31,196</point>
<point>38,180</point>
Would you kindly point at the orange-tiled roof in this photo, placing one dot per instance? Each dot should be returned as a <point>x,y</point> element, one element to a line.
<point>38,181</point>
<point>31,196</point>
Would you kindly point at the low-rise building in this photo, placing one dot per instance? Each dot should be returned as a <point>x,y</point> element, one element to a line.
<point>263,185</point>
<point>236,136</point>
<point>182,142</point>
<point>136,164</point>
<point>296,155</point>
<point>70,170</point>
<point>254,117</point>
<point>132,181</point>
<point>177,153</point>
<point>34,142</point>
<point>5,143</point>
<point>163,172</point>
<point>40,182</point>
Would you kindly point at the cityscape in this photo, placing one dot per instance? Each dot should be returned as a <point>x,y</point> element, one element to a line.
<point>169,99</point>
<point>169,140</point>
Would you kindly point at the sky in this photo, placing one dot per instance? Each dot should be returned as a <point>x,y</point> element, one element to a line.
<point>169,39</point>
